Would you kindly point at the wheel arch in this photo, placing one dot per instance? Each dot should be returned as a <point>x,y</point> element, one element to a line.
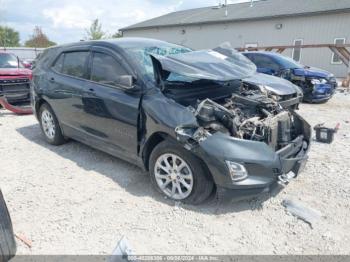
<point>38,104</point>
<point>151,143</point>
<point>159,137</point>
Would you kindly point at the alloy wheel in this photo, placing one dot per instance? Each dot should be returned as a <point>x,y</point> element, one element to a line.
<point>48,124</point>
<point>173,176</point>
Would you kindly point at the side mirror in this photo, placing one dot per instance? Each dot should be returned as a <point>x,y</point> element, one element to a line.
<point>127,81</point>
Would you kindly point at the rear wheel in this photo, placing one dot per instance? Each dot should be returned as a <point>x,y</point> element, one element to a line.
<point>179,175</point>
<point>50,126</point>
<point>7,240</point>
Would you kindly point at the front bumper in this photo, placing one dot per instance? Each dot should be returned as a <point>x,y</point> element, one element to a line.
<point>321,93</point>
<point>15,90</point>
<point>291,103</point>
<point>265,166</point>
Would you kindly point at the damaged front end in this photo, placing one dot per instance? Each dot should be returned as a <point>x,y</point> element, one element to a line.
<point>247,140</point>
<point>316,86</point>
<point>250,134</point>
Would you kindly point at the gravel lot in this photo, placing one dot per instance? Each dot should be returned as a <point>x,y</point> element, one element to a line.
<point>76,200</point>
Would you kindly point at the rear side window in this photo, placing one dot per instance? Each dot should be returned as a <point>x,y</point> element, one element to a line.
<point>74,63</point>
<point>58,66</point>
<point>106,69</point>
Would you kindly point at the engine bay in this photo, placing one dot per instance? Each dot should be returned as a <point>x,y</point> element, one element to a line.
<point>249,116</point>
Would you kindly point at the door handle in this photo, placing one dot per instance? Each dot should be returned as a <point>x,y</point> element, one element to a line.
<point>91,90</point>
<point>52,79</point>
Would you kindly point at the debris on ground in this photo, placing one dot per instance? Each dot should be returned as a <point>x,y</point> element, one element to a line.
<point>298,209</point>
<point>122,251</point>
<point>24,240</point>
<point>325,134</point>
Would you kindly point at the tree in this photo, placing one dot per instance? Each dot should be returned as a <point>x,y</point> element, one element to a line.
<point>117,35</point>
<point>39,39</point>
<point>8,37</point>
<point>95,31</point>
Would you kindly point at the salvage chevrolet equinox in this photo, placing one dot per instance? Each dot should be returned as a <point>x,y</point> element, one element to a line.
<point>183,115</point>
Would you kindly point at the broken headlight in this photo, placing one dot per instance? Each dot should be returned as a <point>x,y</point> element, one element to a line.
<point>237,171</point>
<point>316,81</point>
<point>266,91</point>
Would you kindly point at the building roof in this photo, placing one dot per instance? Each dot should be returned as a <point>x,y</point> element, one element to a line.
<point>262,9</point>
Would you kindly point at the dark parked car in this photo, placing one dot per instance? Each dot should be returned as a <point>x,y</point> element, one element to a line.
<point>14,78</point>
<point>183,115</point>
<point>318,85</point>
<point>7,240</point>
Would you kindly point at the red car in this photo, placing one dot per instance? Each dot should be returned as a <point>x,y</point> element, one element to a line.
<point>14,78</point>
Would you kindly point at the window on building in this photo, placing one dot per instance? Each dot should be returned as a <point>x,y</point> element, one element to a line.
<point>74,63</point>
<point>297,50</point>
<point>335,58</point>
<point>106,70</point>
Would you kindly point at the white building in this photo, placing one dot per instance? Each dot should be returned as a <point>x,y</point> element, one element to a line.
<point>266,23</point>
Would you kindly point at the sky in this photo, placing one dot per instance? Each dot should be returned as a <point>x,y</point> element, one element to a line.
<point>65,21</point>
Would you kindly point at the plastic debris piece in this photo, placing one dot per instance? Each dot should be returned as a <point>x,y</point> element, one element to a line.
<point>298,209</point>
<point>122,251</point>
<point>24,240</point>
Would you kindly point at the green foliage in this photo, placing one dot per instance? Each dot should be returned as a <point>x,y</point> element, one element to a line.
<point>95,31</point>
<point>117,35</point>
<point>8,37</point>
<point>39,39</point>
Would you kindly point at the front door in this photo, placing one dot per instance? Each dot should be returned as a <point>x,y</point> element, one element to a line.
<point>111,111</point>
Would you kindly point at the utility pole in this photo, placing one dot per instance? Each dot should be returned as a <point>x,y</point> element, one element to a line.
<point>251,3</point>
<point>226,10</point>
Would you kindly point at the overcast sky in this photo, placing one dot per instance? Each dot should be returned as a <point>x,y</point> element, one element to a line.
<point>65,20</point>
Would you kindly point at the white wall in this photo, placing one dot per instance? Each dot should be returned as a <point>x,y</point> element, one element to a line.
<point>23,52</point>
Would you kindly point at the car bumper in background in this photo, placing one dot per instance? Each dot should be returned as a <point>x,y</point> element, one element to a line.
<point>15,90</point>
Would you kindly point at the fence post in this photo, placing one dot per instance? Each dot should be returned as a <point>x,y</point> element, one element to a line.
<point>349,75</point>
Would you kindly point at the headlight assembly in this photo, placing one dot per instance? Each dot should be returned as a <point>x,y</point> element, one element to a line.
<point>237,171</point>
<point>318,81</point>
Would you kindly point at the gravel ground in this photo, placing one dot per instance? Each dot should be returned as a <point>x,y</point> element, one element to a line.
<point>76,200</point>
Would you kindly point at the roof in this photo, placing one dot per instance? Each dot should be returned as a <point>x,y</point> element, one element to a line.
<point>124,42</point>
<point>263,9</point>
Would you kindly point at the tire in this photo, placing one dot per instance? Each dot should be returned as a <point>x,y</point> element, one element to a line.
<point>7,240</point>
<point>50,126</point>
<point>188,170</point>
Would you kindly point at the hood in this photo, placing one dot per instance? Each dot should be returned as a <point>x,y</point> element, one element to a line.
<point>205,64</point>
<point>14,72</point>
<point>312,72</point>
<point>278,86</point>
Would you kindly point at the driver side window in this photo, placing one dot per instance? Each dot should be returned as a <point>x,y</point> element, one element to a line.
<point>106,70</point>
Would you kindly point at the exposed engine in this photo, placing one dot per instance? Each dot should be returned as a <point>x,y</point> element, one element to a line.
<point>250,117</point>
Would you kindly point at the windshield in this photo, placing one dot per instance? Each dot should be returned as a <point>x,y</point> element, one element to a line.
<point>9,61</point>
<point>143,57</point>
<point>288,63</point>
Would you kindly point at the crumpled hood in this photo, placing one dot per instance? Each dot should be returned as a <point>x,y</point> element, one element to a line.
<point>15,72</point>
<point>278,86</point>
<point>312,72</point>
<point>207,64</point>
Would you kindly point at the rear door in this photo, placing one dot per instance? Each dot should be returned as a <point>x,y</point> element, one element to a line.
<point>110,110</point>
<point>67,80</point>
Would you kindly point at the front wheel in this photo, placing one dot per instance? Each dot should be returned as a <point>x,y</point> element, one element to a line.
<point>179,175</point>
